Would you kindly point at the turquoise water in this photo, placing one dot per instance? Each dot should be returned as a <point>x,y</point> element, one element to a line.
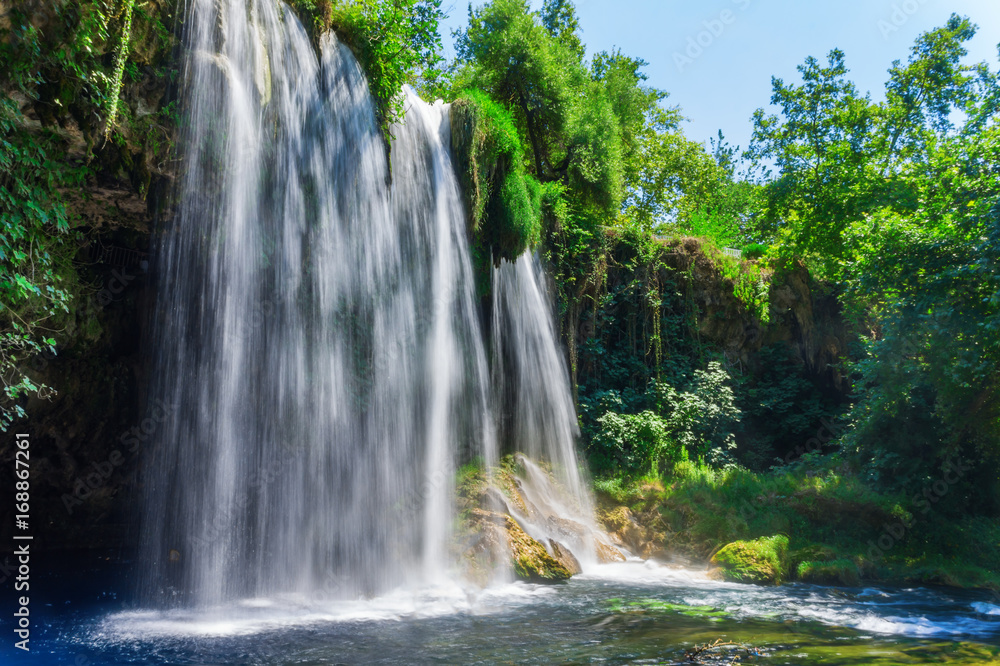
<point>632,613</point>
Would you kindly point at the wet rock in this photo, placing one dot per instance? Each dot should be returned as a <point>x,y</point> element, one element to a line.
<point>563,555</point>
<point>531,560</point>
<point>608,554</point>
<point>495,540</point>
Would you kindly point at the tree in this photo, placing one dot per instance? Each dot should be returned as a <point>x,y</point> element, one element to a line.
<point>841,157</point>
<point>821,144</point>
<point>539,77</point>
<point>921,96</point>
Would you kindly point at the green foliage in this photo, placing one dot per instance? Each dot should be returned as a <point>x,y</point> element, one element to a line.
<point>538,75</point>
<point>898,201</point>
<point>36,277</point>
<point>820,144</point>
<point>503,201</point>
<point>831,516</point>
<point>722,231</point>
<point>35,246</point>
<point>841,157</point>
<point>121,57</point>
<point>638,443</point>
<point>58,68</point>
<point>702,418</point>
<point>754,251</point>
<point>927,380</point>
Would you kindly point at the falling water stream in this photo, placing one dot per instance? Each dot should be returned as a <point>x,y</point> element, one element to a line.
<point>318,337</point>
<point>319,344</point>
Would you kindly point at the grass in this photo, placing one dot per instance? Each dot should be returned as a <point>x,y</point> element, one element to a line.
<point>834,521</point>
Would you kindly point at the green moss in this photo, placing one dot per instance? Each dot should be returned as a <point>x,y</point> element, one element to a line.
<point>762,561</point>
<point>531,561</point>
<point>655,605</point>
<point>504,203</point>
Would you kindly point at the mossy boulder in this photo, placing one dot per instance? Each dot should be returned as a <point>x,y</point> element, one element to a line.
<point>834,572</point>
<point>490,539</point>
<point>531,561</point>
<point>762,561</point>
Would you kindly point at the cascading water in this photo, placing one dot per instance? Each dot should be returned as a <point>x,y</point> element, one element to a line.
<point>530,376</point>
<point>316,333</point>
<point>536,411</point>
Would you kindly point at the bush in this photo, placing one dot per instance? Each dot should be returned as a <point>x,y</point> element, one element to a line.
<point>503,201</point>
<point>703,418</point>
<point>639,443</point>
<point>754,251</point>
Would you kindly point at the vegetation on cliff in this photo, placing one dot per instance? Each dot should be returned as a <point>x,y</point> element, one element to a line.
<point>83,103</point>
<point>861,323</point>
<point>396,43</point>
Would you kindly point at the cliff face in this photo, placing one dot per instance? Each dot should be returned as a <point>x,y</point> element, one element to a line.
<point>803,313</point>
<point>656,313</point>
<point>83,457</point>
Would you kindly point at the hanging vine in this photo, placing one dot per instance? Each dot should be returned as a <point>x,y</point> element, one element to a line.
<point>120,57</point>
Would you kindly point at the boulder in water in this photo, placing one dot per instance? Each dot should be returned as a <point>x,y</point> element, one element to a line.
<point>531,561</point>
<point>566,558</point>
<point>762,561</point>
<point>607,554</point>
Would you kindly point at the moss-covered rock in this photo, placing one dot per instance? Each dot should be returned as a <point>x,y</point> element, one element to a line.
<point>531,561</point>
<point>503,201</point>
<point>763,561</point>
<point>490,539</point>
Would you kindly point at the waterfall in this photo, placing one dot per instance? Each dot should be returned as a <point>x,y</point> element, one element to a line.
<point>316,330</point>
<point>536,410</point>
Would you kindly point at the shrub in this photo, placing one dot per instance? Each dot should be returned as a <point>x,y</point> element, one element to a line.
<point>754,251</point>
<point>503,201</point>
<point>702,419</point>
<point>638,442</point>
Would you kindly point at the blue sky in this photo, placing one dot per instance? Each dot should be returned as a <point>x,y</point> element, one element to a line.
<point>721,80</point>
